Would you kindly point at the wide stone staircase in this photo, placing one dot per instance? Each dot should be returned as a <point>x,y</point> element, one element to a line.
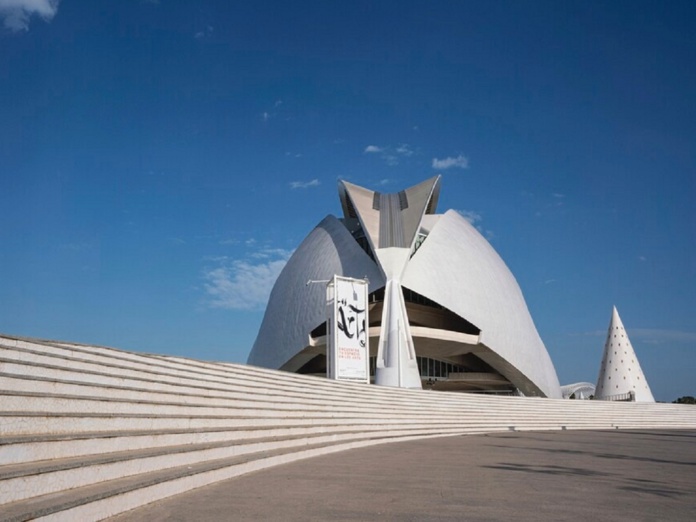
<point>87,432</point>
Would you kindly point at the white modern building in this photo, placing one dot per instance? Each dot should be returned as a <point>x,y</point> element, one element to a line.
<point>578,390</point>
<point>445,311</point>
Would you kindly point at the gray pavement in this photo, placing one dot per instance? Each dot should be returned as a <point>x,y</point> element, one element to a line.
<point>562,475</point>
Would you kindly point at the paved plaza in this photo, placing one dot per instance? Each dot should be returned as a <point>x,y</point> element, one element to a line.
<point>560,475</point>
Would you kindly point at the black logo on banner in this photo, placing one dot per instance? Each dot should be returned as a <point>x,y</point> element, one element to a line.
<point>351,321</point>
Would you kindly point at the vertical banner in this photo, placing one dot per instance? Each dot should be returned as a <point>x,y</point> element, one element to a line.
<point>349,350</point>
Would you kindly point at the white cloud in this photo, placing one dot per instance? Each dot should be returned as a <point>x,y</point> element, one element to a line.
<point>270,253</point>
<point>652,335</point>
<point>404,150</point>
<point>16,13</point>
<point>558,199</point>
<point>244,284</point>
<point>208,31</point>
<point>655,336</point>
<point>471,216</point>
<point>475,219</point>
<point>461,162</point>
<point>390,155</point>
<point>274,112</point>
<point>304,184</point>
<point>216,259</point>
<point>390,159</point>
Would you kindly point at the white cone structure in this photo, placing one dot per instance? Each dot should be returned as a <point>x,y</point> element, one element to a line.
<point>396,356</point>
<point>620,373</point>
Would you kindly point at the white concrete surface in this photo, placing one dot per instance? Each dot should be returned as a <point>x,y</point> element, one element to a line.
<point>51,392</point>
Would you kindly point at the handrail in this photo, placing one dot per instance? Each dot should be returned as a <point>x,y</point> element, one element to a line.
<point>620,397</point>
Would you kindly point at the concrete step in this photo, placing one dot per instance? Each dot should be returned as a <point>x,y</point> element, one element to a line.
<point>16,362</point>
<point>110,356</point>
<point>197,394</point>
<point>489,402</point>
<point>36,447</point>
<point>86,372</point>
<point>108,498</point>
<point>164,360</point>
<point>88,431</point>
<point>81,400</point>
<point>149,366</point>
<point>419,404</point>
<point>41,402</point>
<point>33,447</point>
<point>281,377</point>
<point>26,423</point>
<point>30,479</point>
<point>31,384</point>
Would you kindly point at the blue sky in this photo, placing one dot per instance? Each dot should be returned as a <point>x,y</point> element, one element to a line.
<point>159,161</point>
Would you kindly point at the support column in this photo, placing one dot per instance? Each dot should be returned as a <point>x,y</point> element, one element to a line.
<point>396,355</point>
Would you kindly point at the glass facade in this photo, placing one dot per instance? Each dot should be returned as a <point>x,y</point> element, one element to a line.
<point>428,368</point>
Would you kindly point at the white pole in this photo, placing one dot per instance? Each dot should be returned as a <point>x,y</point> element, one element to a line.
<point>398,349</point>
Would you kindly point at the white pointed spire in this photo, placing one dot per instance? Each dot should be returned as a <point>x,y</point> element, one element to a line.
<point>620,372</point>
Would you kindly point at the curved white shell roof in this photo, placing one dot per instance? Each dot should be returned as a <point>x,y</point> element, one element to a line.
<point>457,268</point>
<point>296,308</point>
